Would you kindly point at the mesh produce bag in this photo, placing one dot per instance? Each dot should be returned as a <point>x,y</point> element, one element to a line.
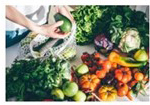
<point>62,48</point>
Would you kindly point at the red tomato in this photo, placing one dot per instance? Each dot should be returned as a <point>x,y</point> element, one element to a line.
<point>97,55</point>
<point>101,73</point>
<point>114,65</point>
<point>106,65</point>
<point>93,68</point>
<point>122,89</point>
<point>85,56</point>
<point>88,63</point>
<point>100,62</point>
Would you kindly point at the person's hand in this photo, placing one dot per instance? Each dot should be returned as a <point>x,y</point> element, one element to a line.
<point>53,30</point>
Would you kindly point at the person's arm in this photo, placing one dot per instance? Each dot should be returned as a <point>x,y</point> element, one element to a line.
<point>15,16</point>
<point>48,30</point>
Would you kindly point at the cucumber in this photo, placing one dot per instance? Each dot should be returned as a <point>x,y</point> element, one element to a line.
<point>66,26</point>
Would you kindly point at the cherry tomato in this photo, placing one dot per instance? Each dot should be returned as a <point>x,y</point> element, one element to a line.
<point>85,56</point>
<point>138,76</point>
<point>106,65</point>
<point>101,73</point>
<point>97,55</point>
<point>93,69</point>
<point>100,62</point>
<point>123,89</point>
<point>118,76</point>
<point>88,63</point>
<point>114,65</point>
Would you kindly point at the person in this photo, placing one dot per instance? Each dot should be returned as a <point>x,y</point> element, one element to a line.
<point>23,19</point>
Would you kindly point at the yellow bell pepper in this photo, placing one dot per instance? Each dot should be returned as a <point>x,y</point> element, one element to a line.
<point>124,61</point>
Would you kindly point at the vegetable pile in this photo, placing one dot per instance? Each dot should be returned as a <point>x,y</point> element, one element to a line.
<point>33,79</point>
<point>106,79</point>
<point>115,22</point>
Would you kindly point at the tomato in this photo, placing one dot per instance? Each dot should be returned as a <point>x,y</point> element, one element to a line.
<point>123,89</point>
<point>85,56</point>
<point>88,63</point>
<point>100,62</point>
<point>93,69</point>
<point>118,76</point>
<point>123,75</point>
<point>89,82</point>
<point>101,73</point>
<point>114,65</point>
<point>97,55</point>
<point>106,65</point>
<point>138,76</point>
<point>107,93</point>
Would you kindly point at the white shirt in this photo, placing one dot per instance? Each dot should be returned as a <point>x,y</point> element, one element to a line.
<point>37,14</point>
